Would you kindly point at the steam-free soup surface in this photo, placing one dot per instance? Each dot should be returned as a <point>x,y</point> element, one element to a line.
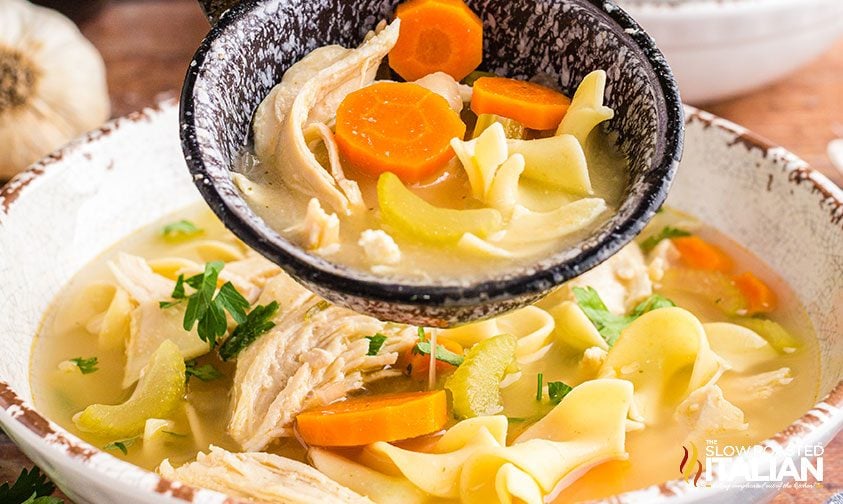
<point>61,390</point>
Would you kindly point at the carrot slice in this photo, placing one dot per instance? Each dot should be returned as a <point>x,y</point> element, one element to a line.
<point>363,420</point>
<point>699,254</point>
<point>533,105</point>
<point>417,365</point>
<point>759,297</point>
<point>395,127</point>
<point>437,36</point>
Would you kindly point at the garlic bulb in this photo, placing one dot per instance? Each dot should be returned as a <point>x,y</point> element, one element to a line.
<point>52,84</point>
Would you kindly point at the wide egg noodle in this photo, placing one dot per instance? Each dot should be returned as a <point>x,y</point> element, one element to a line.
<point>574,328</point>
<point>666,356</point>
<point>587,428</point>
<point>587,109</point>
<point>741,347</point>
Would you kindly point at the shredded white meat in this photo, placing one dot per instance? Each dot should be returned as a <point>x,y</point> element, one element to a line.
<point>315,354</point>
<point>261,477</point>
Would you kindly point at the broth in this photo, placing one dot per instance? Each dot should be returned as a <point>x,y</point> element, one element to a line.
<point>654,452</point>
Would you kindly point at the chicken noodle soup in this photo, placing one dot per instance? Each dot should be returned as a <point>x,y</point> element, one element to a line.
<point>386,176</point>
<point>681,337</point>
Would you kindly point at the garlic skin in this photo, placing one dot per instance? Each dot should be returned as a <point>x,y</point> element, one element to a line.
<point>52,84</point>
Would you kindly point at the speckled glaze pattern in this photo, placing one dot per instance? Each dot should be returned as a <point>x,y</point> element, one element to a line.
<point>255,42</point>
<point>129,173</point>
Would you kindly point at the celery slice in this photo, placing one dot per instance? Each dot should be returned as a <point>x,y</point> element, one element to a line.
<point>776,335</point>
<point>475,385</point>
<point>713,286</point>
<point>159,391</point>
<point>511,127</point>
<point>411,215</point>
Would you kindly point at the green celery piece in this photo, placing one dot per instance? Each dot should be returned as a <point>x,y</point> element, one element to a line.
<point>411,215</point>
<point>475,385</point>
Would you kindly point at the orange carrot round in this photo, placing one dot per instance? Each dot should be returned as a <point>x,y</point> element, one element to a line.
<point>533,105</point>
<point>699,254</point>
<point>437,36</point>
<point>395,127</point>
<point>759,297</point>
<point>417,364</point>
<point>363,420</point>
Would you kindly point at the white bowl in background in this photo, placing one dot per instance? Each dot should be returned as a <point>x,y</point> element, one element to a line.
<point>722,48</point>
<point>71,206</point>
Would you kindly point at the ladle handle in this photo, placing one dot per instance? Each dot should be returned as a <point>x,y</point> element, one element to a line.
<point>214,8</point>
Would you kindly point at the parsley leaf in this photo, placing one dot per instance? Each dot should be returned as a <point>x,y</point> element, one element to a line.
<point>442,353</point>
<point>257,322</point>
<point>375,343</point>
<point>667,232</point>
<point>653,302</point>
<point>607,323</point>
<point>180,230</point>
<point>30,485</point>
<point>233,302</point>
<point>539,386</point>
<point>121,444</point>
<point>557,390</point>
<point>87,366</point>
<point>34,499</point>
<point>316,308</point>
<point>205,309</point>
<point>205,373</point>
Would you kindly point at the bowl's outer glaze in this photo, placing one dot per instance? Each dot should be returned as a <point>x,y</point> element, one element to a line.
<point>719,49</point>
<point>67,209</point>
<point>248,51</point>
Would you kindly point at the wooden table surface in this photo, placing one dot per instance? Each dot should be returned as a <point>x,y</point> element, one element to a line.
<point>147,45</point>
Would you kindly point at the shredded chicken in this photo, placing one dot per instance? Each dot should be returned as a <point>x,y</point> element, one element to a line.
<point>706,411</point>
<point>260,477</point>
<point>445,86</point>
<point>622,281</point>
<point>321,231</point>
<point>763,385</point>
<point>379,247</point>
<point>316,353</point>
<point>316,101</point>
<point>662,257</point>
<point>593,359</point>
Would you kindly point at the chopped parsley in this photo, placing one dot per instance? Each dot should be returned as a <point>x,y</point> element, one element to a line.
<point>205,373</point>
<point>666,233</point>
<point>539,386</point>
<point>557,390</point>
<point>180,230</point>
<point>121,444</point>
<point>31,486</point>
<point>376,342</point>
<point>205,309</point>
<point>87,366</point>
<point>607,323</point>
<point>316,308</point>
<point>258,322</point>
<point>442,353</point>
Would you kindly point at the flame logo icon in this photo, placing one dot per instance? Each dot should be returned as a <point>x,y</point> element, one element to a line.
<point>686,467</point>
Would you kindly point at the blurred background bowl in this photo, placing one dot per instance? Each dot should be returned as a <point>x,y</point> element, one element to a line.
<point>722,48</point>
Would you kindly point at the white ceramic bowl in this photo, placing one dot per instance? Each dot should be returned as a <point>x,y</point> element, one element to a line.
<point>722,48</point>
<point>71,206</point>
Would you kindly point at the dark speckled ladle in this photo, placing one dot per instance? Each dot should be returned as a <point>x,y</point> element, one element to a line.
<point>254,42</point>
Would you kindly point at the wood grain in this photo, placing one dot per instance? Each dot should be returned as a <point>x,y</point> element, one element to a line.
<point>148,44</point>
